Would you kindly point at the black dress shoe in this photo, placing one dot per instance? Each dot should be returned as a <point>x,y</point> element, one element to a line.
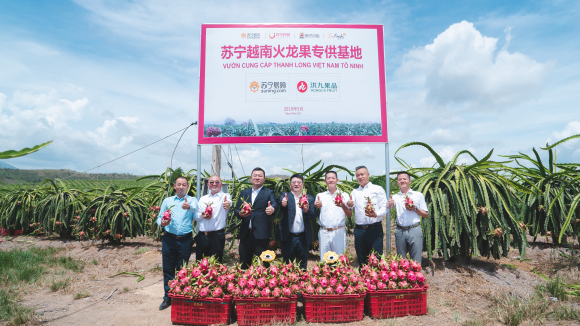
<point>165,304</point>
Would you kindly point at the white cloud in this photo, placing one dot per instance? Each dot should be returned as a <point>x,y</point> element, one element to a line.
<point>447,136</point>
<point>571,129</point>
<point>462,67</point>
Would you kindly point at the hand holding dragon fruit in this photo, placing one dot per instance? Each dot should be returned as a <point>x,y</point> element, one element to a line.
<point>408,201</point>
<point>208,211</point>
<point>167,214</point>
<point>303,201</point>
<point>369,208</point>
<point>338,200</point>
<point>246,208</point>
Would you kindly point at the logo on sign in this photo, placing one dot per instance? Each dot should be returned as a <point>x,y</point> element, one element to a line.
<point>302,86</point>
<point>243,35</point>
<point>337,36</point>
<point>302,35</point>
<point>254,86</point>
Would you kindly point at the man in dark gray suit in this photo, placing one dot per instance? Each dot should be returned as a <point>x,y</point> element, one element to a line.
<point>256,226</point>
<point>295,225</point>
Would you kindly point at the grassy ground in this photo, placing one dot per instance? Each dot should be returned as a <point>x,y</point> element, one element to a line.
<point>23,269</point>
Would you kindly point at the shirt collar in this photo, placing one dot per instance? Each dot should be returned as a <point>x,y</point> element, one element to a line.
<point>175,198</point>
<point>335,193</point>
<point>257,190</point>
<point>410,192</point>
<point>366,186</point>
<point>218,194</point>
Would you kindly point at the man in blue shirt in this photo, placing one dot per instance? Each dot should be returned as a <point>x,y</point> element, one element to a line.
<point>177,240</point>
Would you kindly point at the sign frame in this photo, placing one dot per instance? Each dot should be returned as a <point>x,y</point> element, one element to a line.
<point>306,139</point>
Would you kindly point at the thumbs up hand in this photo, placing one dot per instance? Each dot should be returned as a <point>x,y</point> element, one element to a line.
<point>350,202</point>
<point>185,204</point>
<point>227,204</point>
<point>391,202</point>
<point>285,200</point>
<point>270,210</point>
<point>317,203</point>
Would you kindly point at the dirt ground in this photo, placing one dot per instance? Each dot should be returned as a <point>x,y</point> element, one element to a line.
<point>458,292</point>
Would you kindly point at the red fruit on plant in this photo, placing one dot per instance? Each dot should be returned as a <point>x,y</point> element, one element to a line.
<point>483,210</point>
<point>118,236</point>
<point>125,214</point>
<point>108,232</point>
<point>77,218</point>
<point>81,234</point>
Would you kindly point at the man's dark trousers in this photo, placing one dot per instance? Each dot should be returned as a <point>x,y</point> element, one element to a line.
<point>295,247</point>
<point>251,246</point>
<point>210,245</point>
<point>175,252</point>
<point>366,240</point>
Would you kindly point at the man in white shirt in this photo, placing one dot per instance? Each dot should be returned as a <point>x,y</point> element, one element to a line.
<point>368,232</point>
<point>211,236</point>
<point>332,233</point>
<point>408,236</point>
<point>295,224</point>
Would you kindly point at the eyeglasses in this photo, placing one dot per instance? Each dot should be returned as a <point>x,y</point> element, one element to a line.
<point>214,182</point>
<point>296,182</point>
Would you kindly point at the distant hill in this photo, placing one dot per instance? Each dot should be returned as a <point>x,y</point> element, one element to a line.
<point>13,176</point>
<point>4,165</point>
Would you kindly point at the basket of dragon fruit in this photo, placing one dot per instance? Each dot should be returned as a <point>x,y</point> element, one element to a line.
<point>396,287</point>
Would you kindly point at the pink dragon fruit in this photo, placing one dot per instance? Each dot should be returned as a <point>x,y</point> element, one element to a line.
<point>339,289</point>
<point>372,287</point>
<point>217,292</point>
<point>415,266</point>
<point>303,201</point>
<point>420,277</point>
<point>349,290</point>
<point>286,292</point>
<point>401,275</point>
<point>209,210</point>
<point>319,290</point>
<point>222,280</point>
<point>293,277</point>
<point>383,265</point>
<point>230,288</point>
<point>246,292</point>
<point>166,215</point>
<point>187,290</point>
<point>276,293</point>
<point>392,285</point>
<point>242,283</point>
<point>316,270</point>
<point>411,277</point>
<point>405,266</point>
<point>177,289</point>
<point>415,286</point>
<point>338,200</point>
<point>262,283</point>
<point>314,280</point>
<point>296,288</point>
<point>231,277</point>
<point>251,284</point>
<point>381,286</point>
<point>353,279</point>
<point>403,285</point>
<point>266,293</point>
<point>196,272</point>
<point>393,275</point>
<point>384,276</point>
<point>373,260</point>
<point>359,288</point>
<point>204,265</point>
<point>273,283</point>
<point>273,271</point>
<point>374,276</point>
<point>344,280</point>
<point>329,290</point>
<point>310,289</point>
<point>332,282</point>
<point>246,208</point>
<point>394,266</point>
<point>323,282</point>
<point>343,259</point>
<point>255,293</point>
<point>204,292</point>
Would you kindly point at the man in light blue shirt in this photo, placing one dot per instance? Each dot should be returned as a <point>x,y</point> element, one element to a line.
<point>177,240</point>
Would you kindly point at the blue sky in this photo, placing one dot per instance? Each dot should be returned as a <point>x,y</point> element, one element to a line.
<point>102,78</point>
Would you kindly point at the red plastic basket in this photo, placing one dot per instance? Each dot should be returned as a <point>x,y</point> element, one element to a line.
<point>207,311</point>
<point>396,303</point>
<point>263,311</point>
<point>333,308</point>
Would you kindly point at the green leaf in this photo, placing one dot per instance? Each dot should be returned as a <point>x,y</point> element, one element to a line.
<point>22,152</point>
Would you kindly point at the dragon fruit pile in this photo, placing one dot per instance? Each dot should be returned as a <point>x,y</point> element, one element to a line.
<point>392,272</point>
<point>335,279</point>
<point>279,280</point>
<point>206,279</point>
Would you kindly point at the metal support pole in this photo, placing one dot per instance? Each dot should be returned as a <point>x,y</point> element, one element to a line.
<point>388,191</point>
<point>198,191</point>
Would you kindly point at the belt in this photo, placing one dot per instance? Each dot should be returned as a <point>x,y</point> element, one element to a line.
<point>177,237</point>
<point>408,227</point>
<point>211,232</point>
<point>297,234</point>
<point>368,226</point>
<point>331,229</point>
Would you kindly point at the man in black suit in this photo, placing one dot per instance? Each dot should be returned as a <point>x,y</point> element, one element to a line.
<point>295,225</point>
<point>256,227</point>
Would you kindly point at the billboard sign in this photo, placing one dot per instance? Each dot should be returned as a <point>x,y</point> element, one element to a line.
<point>292,83</point>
